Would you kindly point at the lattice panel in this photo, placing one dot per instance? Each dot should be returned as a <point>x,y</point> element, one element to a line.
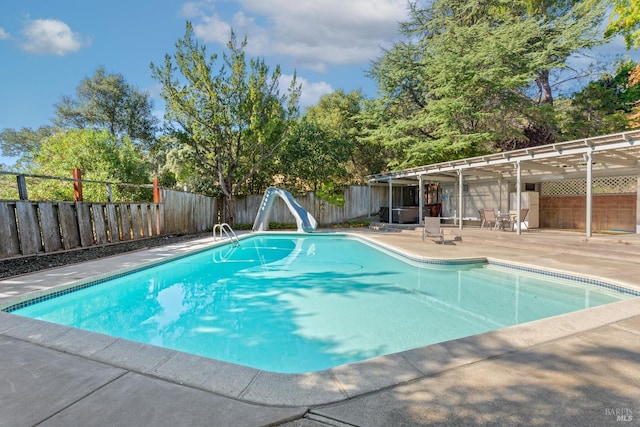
<point>573,187</point>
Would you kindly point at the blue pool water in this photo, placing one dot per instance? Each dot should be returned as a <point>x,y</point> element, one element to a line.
<point>300,303</point>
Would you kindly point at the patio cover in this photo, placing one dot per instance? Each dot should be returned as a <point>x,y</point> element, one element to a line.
<point>600,156</point>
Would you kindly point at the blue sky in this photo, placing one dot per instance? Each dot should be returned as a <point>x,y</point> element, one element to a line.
<point>47,47</point>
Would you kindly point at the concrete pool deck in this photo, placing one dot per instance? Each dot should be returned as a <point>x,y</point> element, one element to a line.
<point>581,368</point>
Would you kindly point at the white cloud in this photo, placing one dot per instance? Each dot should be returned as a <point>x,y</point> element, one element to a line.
<point>314,32</point>
<point>311,92</point>
<point>213,28</point>
<point>52,37</point>
<point>3,34</point>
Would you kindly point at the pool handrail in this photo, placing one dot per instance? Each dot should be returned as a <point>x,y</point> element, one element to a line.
<point>228,231</point>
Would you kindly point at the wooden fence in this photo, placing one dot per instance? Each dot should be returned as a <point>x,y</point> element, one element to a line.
<point>184,213</point>
<point>357,203</point>
<point>29,228</point>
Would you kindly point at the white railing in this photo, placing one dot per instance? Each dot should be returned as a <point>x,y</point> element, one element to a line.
<point>228,232</point>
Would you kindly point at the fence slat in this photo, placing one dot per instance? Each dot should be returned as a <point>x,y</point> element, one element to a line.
<point>84,224</point>
<point>182,213</point>
<point>112,221</point>
<point>125,221</point>
<point>159,220</point>
<point>69,225</point>
<point>50,227</point>
<point>136,226</point>
<point>9,244</point>
<point>144,213</point>
<point>29,228</point>
<point>99,223</point>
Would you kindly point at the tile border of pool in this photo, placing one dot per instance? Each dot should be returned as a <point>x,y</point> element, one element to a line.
<point>315,388</point>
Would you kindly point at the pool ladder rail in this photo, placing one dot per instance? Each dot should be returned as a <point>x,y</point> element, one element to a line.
<point>228,232</point>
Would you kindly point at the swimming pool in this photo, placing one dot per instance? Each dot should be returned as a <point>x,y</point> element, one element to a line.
<point>301,303</point>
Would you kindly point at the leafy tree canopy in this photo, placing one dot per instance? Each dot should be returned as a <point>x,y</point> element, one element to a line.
<point>230,112</point>
<point>107,101</point>
<point>341,114</point>
<point>625,20</point>
<point>460,83</point>
<point>99,155</point>
<point>313,156</point>
<point>602,106</point>
<point>23,144</point>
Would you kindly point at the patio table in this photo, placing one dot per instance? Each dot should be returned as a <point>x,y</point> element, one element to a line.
<point>504,220</point>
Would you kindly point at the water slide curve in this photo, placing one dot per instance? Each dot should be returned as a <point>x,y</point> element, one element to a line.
<point>306,222</point>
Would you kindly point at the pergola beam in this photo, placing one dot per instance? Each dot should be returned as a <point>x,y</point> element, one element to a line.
<point>627,161</point>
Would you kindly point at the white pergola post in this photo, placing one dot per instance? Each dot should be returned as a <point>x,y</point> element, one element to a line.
<point>638,204</point>
<point>588,156</point>
<point>500,195</point>
<point>460,186</point>
<point>420,200</point>
<point>390,200</point>
<point>369,204</point>
<point>518,196</point>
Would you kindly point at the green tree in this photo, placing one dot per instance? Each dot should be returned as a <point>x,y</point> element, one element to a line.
<point>625,20</point>
<point>100,157</point>
<point>23,144</point>
<point>341,114</point>
<point>234,119</point>
<point>314,156</point>
<point>634,82</point>
<point>602,106</point>
<point>107,101</point>
<point>566,27</point>
<point>460,84</point>
<point>454,91</point>
<point>377,150</point>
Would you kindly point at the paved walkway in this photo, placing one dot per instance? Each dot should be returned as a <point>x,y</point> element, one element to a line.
<point>578,369</point>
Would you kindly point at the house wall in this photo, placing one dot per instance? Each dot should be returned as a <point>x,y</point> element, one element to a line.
<point>475,196</point>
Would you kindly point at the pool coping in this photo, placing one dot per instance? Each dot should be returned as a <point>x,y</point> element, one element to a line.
<point>315,388</point>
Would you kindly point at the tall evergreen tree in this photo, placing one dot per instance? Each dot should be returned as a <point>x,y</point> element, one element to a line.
<point>234,118</point>
<point>461,82</point>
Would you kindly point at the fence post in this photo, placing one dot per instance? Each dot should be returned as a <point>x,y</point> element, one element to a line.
<point>77,184</point>
<point>156,191</point>
<point>109,194</point>
<point>22,187</point>
<point>158,213</point>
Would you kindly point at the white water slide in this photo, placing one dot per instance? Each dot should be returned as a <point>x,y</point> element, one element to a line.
<point>306,222</point>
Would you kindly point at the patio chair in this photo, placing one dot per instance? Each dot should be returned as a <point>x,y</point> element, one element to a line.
<point>488,217</point>
<point>514,219</point>
<point>432,229</point>
<point>523,215</point>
